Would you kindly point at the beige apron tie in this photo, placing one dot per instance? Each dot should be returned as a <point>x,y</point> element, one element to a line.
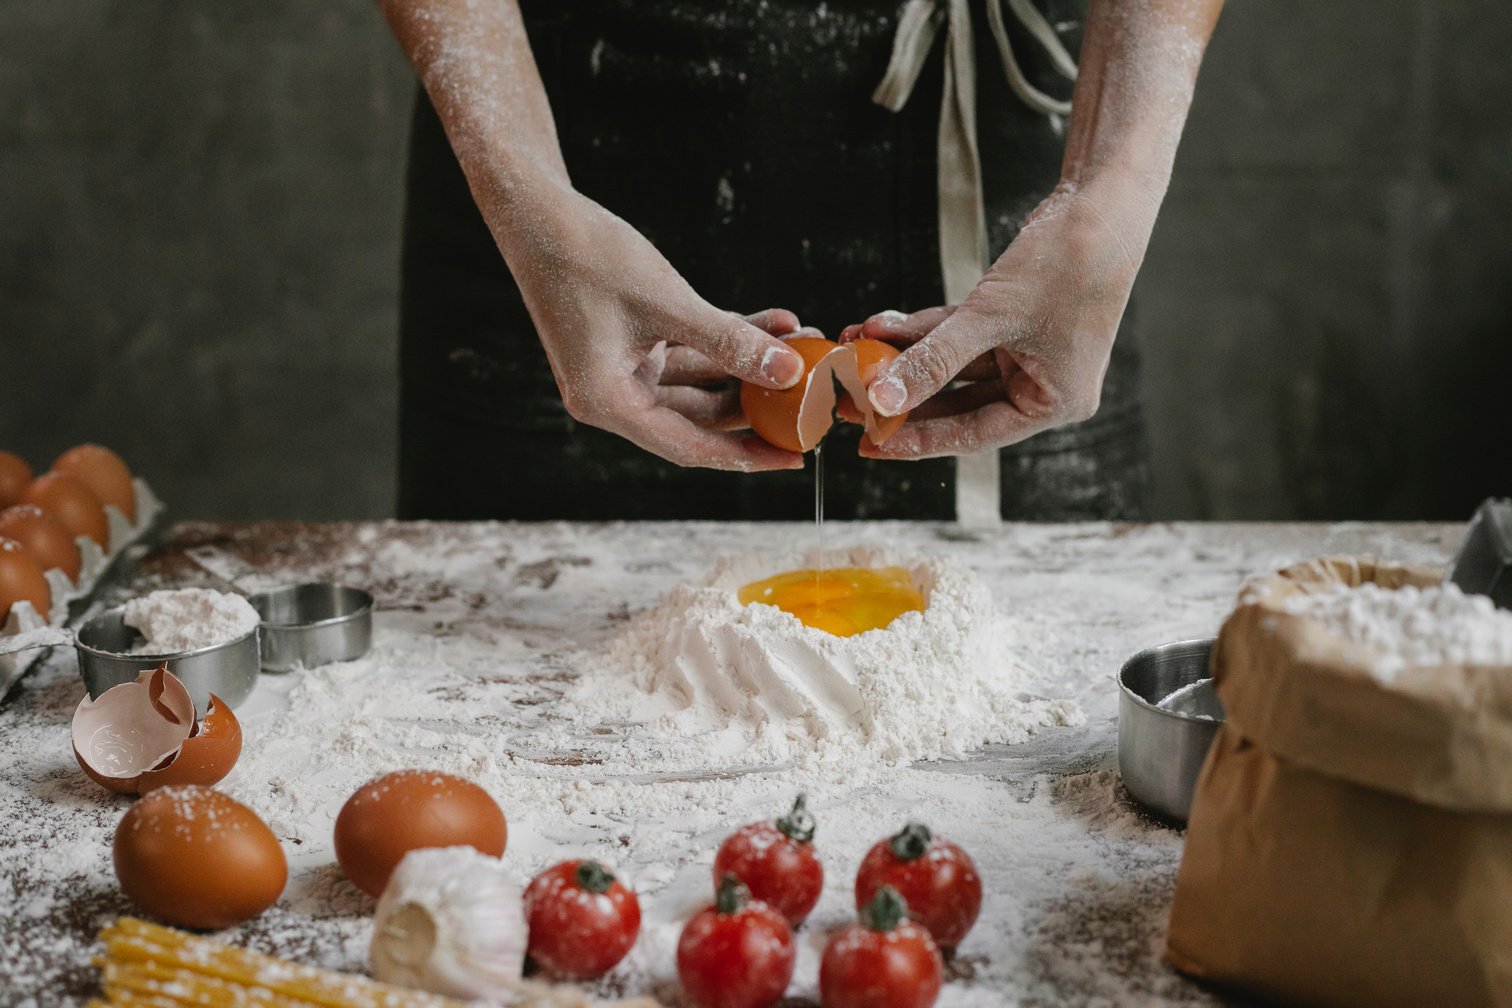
<point>962,209</point>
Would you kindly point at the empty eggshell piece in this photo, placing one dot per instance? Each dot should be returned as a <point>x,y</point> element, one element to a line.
<point>796,418</point>
<point>207,755</point>
<point>409,810</point>
<point>855,367</point>
<point>142,735</point>
<point>67,499</point>
<point>44,537</point>
<point>104,473</point>
<point>192,856</point>
<point>15,477</point>
<point>21,579</point>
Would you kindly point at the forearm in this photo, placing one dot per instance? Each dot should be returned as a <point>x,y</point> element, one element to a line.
<point>1137,71</point>
<point>475,62</point>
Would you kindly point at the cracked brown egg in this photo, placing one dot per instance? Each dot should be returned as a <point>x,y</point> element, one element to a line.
<point>192,856</point>
<point>797,418</point>
<point>143,735</point>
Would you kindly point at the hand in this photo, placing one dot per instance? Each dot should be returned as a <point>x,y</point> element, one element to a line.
<point>1030,343</point>
<point>633,348</point>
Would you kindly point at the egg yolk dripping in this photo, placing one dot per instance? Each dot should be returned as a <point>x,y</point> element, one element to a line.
<point>839,600</point>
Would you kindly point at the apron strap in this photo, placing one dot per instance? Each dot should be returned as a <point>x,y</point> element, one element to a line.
<point>962,209</point>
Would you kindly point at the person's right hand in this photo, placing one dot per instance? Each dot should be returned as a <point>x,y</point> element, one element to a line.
<point>631,344</point>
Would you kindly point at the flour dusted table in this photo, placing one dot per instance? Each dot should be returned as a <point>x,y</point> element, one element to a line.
<point>1078,880</point>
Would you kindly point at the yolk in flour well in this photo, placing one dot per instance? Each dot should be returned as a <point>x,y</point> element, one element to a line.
<point>839,600</point>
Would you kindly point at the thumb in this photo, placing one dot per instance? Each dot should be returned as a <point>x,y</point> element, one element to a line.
<point>745,351</point>
<point>930,364</point>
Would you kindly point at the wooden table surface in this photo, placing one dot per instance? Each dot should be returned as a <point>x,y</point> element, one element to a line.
<point>1077,906</point>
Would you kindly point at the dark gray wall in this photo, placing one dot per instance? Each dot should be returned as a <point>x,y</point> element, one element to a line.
<point>1327,299</point>
<point>199,228</point>
<point>199,224</point>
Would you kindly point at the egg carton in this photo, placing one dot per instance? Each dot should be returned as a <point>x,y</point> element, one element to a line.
<point>70,597</point>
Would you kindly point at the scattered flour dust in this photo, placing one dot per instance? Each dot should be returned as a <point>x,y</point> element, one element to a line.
<point>752,679</point>
<point>187,619</point>
<point>1412,627</point>
<point>532,661</point>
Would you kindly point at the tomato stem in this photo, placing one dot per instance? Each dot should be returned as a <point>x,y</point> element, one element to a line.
<point>911,842</point>
<point>594,877</point>
<point>885,910</point>
<point>732,895</point>
<point>798,825</point>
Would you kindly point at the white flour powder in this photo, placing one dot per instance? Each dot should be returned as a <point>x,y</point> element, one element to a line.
<point>1413,627</point>
<point>485,641</point>
<point>933,684</point>
<point>188,619</point>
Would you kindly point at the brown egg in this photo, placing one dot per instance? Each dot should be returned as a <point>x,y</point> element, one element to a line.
<point>21,578</point>
<point>44,537</point>
<point>194,857</point>
<point>142,735</point>
<point>67,499</point>
<point>15,477</point>
<point>104,473</point>
<point>409,809</point>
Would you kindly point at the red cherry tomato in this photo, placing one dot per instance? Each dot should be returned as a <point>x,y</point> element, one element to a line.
<point>886,961</point>
<point>934,876</point>
<point>737,953</point>
<point>582,920</point>
<point>776,861</point>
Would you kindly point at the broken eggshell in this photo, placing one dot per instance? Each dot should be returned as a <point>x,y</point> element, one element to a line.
<point>143,735</point>
<point>856,371</point>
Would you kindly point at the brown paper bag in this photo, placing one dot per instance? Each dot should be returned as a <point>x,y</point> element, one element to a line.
<point>1350,842</point>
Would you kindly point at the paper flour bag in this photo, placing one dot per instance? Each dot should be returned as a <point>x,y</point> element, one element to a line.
<point>1350,842</point>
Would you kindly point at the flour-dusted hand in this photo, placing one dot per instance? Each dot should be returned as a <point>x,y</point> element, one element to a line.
<point>627,338</point>
<point>631,345</point>
<point>1027,349</point>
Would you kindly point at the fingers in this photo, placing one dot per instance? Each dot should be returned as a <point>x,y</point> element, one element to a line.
<point>891,326</point>
<point>686,366</point>
<point>715,410</point>
<point>745,351</point>
<point>632,413</point>
<point>930,364</point>
<point>991,426</point>
<point>649,371</point>
<point>776,321</point>
<point>962,399</point>
<point>897,328</point>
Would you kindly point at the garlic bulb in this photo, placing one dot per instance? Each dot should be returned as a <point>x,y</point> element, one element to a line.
<point>450,922</point>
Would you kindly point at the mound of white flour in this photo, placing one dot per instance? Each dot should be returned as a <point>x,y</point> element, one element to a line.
<point>1413,627</point>
<point>187,619</point>
<point>754,681</point>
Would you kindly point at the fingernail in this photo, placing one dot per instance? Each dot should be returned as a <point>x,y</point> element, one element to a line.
<point>888,320</point>
<point>887,396</point>
<point>782,366</point>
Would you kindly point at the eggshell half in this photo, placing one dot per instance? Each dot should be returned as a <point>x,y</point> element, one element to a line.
<point>796,418</point>
<point>142,735</point>
<point>856,370</point>
<point>207,755</point>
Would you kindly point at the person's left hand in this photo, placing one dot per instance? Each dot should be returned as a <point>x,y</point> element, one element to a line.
<point>1029,345</point>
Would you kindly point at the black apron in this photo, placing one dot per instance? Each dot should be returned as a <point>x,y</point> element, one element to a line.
<point>741,140</point>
